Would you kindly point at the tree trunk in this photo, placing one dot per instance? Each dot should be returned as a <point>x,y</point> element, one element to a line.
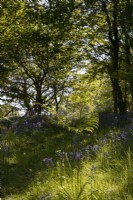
<point>55,98</point>
<point>131,91</point>
<point>128,64</point>
<point>38,103</point>
<point>119,104</point>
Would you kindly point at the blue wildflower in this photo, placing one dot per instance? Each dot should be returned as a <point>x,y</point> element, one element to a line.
<point>93,167</point>
<point>78,155</point>
<point>123,135</point>
<point>48,161</point>
<point>95,148</point>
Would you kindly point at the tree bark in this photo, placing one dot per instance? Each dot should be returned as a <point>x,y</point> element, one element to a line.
<point>119,105</point>
<point>38,103</point>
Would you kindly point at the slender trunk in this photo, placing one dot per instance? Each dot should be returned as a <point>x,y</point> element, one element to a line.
<point>128,64</point>
<point>55,98</point>
<point>119,104</point>
<point>38,103</point>
<point>115,99</point>
<point>131,91</point>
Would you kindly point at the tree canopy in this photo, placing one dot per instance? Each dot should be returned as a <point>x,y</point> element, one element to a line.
<point>43,44</point>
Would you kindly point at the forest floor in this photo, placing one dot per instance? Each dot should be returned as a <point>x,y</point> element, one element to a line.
<point>41,160</point>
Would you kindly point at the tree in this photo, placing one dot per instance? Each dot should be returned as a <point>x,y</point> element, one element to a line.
<point>126,27</point>
<point>38,55</point>
<point>45,41</point>
<point>104,43</point>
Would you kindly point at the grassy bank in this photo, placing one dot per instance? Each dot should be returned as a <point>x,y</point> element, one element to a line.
<point>56,163</point>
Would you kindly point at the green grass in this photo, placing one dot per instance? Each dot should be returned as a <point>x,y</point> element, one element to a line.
<point>103,174</point>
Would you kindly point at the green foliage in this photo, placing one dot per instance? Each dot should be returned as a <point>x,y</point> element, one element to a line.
<point>7,110</point>
<point>38,56</point>
<point>85,125</point>
<point>73,187</point>
<point>43,44</point>
<point>41,165</point>
<point>69,60</point>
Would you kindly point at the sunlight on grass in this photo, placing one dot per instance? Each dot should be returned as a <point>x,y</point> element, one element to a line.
<point>38,166</point>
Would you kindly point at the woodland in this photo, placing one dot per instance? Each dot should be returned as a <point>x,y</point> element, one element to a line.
<point>66,99</point>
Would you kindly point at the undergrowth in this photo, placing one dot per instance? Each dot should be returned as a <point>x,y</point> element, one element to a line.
<point>59,164</point>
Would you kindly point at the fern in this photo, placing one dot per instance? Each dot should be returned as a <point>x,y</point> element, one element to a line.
<point>85,124</point>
